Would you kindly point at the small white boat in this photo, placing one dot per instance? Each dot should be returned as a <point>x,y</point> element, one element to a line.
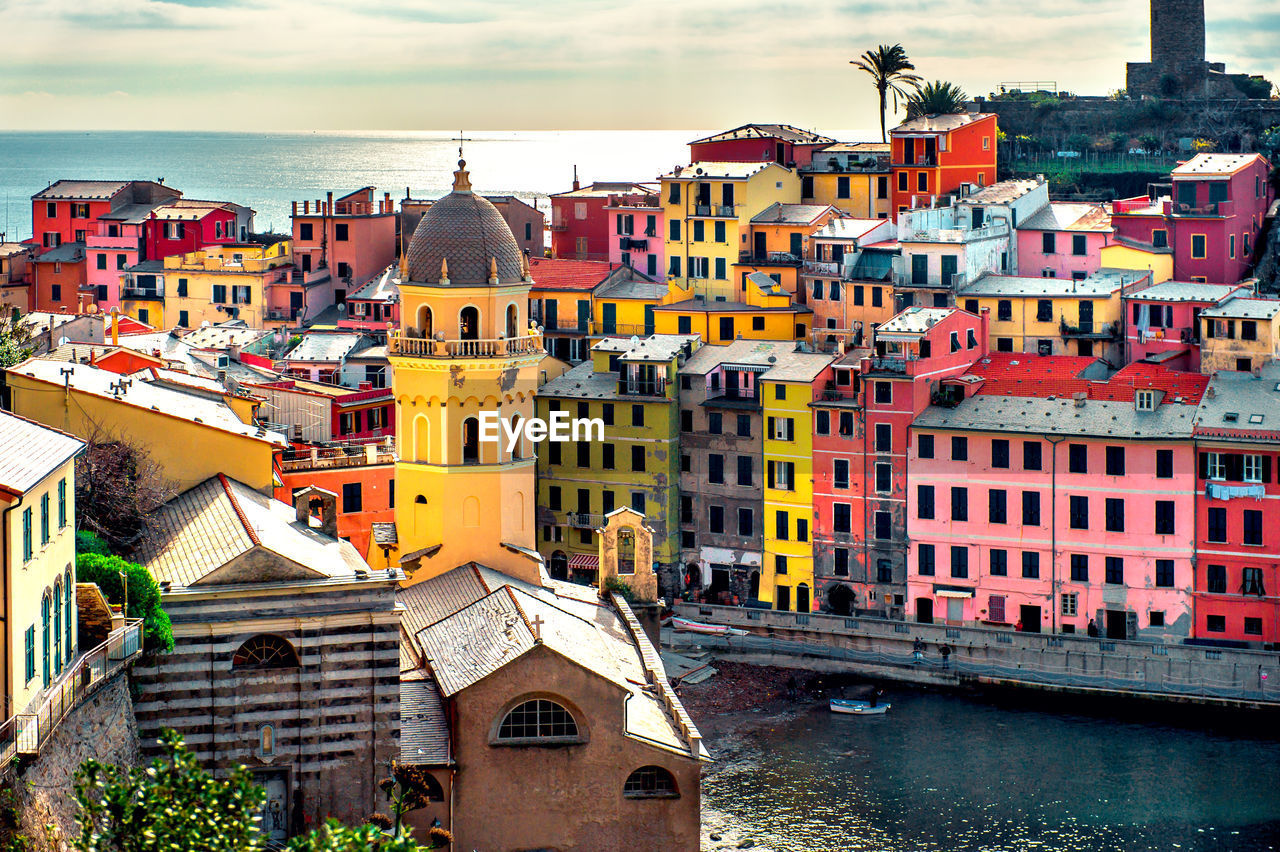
<point>709,629</point>
<point>858,708</point>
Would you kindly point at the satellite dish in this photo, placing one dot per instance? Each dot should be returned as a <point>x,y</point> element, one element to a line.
<point>634,340</point>
<point>204,324</point>
<point>63,341</point>
<point>342,308</point>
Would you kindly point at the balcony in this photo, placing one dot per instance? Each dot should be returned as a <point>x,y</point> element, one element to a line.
<point>629,243</point>
<point>714,211</point>
<point>822,267</point>
<point>502,347</point>
<point>922,161</point>
<point>328,458</point>
<point>282,314</point>
<point>585,520</point>
<point>771,258</point>
<point>624,329</point>
<point>558,226</point>
<point>839,393</point>
<point>1212,208</point>
<point>656,386</point>
<point>733,398</point>
<point>1090,330</point>
<point>150,293</point>
<point>891,364</point>
<point>997,228</point>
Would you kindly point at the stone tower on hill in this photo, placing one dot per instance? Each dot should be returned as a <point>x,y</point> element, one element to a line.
<point>1178,68</point>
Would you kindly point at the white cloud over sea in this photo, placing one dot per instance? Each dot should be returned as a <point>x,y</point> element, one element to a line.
<point>484,64</point>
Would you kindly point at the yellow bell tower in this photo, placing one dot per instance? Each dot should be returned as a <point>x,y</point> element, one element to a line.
<point>464,353</point>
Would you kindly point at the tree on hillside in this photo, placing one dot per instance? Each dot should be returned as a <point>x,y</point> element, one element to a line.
<point>936,98</point>
<point>117,487</point>
<point>888,66</point>
<point>15,340</point>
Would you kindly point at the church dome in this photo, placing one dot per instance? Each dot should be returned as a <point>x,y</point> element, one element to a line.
<point>465,234</point>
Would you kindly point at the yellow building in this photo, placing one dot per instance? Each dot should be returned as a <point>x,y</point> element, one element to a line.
<point>767,312</point>
<point>1241,334</point>
<point>853,176</point>
<point>778,242</point>
<point>625,306</point>
<point>708,208</point>
<point>1126,254</point>
<point>465,352</point>
<point>1055,316</point>
<point>214,284</point>
<point>37,489</point>
<point>187,435</point>
<point>787,390</point>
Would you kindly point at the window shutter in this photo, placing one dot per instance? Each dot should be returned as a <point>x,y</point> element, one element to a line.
<point>1266,468</point>
<point>1204,465</point>
<point>771,472</point>
<point>791,430</point>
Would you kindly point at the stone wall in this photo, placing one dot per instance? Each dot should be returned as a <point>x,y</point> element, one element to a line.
<point>102,727</point>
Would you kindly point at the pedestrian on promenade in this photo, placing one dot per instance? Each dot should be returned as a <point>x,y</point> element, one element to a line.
<point>791,687</point>
<point>1018,626</point>
<point>917,650</point>
<point>945,651</point>
<point>1092,629</point>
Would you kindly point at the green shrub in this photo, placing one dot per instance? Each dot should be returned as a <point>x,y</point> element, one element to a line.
<point>91,542</point>
<point>144,594</point>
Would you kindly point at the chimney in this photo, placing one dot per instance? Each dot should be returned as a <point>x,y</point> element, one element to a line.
<point>1079,397</point>
<point>233,352</point>
<point>386,202</point>
<point>328,203</point>
<point>115,326</point>
<point>295,208</point>
<point>576,185</point>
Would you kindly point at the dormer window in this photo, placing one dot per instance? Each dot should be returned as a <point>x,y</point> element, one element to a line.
<point>1145,400</point>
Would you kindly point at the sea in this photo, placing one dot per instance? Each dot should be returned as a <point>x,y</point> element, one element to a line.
<point>268,171</point>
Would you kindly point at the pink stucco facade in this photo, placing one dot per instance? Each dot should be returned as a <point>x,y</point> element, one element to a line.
<point>106,258</point>
<point>1076,254</point>
<point>1164,321</point>
<point>636,233</point>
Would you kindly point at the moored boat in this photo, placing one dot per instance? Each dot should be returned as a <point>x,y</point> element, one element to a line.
<point>709,629</point>
<point>855,707</point>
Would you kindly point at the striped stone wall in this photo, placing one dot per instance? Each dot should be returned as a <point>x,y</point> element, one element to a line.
<point>335,717</point>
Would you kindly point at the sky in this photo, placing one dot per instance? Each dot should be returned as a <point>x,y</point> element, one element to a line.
<point>553,64</point>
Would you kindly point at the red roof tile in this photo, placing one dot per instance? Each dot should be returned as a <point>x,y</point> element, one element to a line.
<point>563,274</point>
<point>1022,374</point>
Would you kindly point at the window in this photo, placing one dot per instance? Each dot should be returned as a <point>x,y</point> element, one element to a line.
<point>637,503</point>
<point>925,565</point>
<point>1198,247</point>
<point>959,448</point>
<point>744,425</point>
<point>538,719</point>
<point>781,475</point>
<point>44,519</point>
<point>1079,512</point>
<point>637,415</point>
<point>553,497</point>
<point>1031,508</point>
<point>1217,525</point>
<point>28,545</point>
<point>265,651</point>
<point>30,642</point>
<point>1044,310</point>
<point>884,438</point>
<point>1115,571</point>
<point>959,504</point>
<point>1216,579</point>
<point>607,461</point>
<point>780,567</point>
<point>715,519</point>
<point>841,519</point>
<point>802,529</point>
<point>922,182</point>
<point>1004,310</point>
<point>884,477</point>
<point>904,181</point>
<point>352,500</point>
<point>884,393</point>
<point>1115,514</point>
<point>959,562</point>
<point>1030,565</point>
<point>1079,245</point>
<point>1031,458</point>
<point>999,566</point>
<point>1164,464</point>
<point>1251,582</point>
<point>1253,626</point>
<point>637,458</point>
<point>1164,573</point>
<point>715,423</point>
<point>1048,243</point>
<point>746,471</point>
<point>1252,526</point>
<point>1215,623</point>
<point>650,782</point>
<point>782,428</point>
<point>997,506</point>
<point>340,232</point>
<point>822,423</point>
<point>1077,458</point>
<point>925,446</point>
<point>884,571</point>
<point>62,503</point>
<point>1115,461</point>
<point>715,468</point>
<point>1000,453</point>
<point>1214,464</point>
<point>1252,468</point>
<point>924,502</point>
<point>1070,603</point>
<point>686,420</point>
<point>1164,517</point>
<point>1079,568</point>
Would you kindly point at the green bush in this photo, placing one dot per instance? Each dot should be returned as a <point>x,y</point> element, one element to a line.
<point>91,542</point>
<point>144,594</point>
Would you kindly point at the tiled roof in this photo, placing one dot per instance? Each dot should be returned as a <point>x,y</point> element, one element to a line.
<point>1241,405</point>
<point>424,729</point>
<point>714,307</point>
<point>935,123</point>
<point>797,367</point>
<point>221,336</point>
<point>655,347</point>
<point>762,353</point>
<point>385,286</point>
<point>475,641</point>
<point>30,451</point>
<point>846,229</point>
<point>1184,291</point>
<point>1101,283</point>
<point>784,132</point>
<point>858,148</point>
<point>87,189</point>
<point>1061,416</point>
<point>564,274</point>
<point>1244,308</point>
<point>384,532</point>
<point>790,214</point>
<point>1001,192</point>
<point>468,231</point>
<point>718,170</point>
<point>188,209</point>
<point>1068,216</point>
<point>65,253</point>
<point>326,346</point>
<point>1021,374</point>
<point>635,285</point>
<point>427,602</point>
<point>915,320</point>
<point>1209,165</point>
<point>603,189</point>
<point>211,524</point>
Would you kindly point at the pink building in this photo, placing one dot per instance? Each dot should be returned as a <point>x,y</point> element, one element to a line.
<point>1211,216</point>
<point>1044,494</point>
<point>353,238</point>
<point>1163,322</point>
<point>580,223</point>
<point>377,303</point>
<point>1063,240</point>
<point>115,246</point>
<point>184,225</point>
<point>636,234</point>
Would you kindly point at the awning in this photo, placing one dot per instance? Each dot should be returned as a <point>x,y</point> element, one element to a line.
<point>950,593</point>
<point>582,560</point>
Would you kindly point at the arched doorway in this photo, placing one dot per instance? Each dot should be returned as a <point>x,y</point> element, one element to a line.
<point>802,598</point>
<point>469,324</point>
<point>513,319</point>
<point>559,567</point>
<point>425,322</point>
<point>471,441</point>
<point>840,599</point>
<point>693,576</point>
<point>753,587</point>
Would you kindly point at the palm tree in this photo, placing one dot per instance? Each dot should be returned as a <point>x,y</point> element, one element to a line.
<point>936,98</point>
<point>888,67</point>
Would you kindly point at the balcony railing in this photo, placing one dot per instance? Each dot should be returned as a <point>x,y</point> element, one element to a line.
<point>585,520</point>
<point>783,258</point>
<point>822,267</point>
<point>1089,329</point>
<point>891,364</point>
<point>715,211</point>
<point>628,243</point>
<point>656,386</point>
<point>558,226</point>
<point>912,234</point>
<point>1212,208</point>
<point>421,347</point>
<point>734,395</point>
<point>141,293</point>
<point>324,458</point>
<point>624,329</point>
<point>26,733</point>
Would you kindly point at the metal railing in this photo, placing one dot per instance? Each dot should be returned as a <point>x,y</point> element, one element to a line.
<point>26,733</point>
<point>353,455</point>
<point>422,347</point>
<point>771,257</point>
<point>585,520</point>
<point>718,211</point>
<point>656,386</point>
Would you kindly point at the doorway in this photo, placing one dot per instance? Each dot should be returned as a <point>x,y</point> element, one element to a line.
<point>759,246</point>
<point>782,595</point>
<point>1086,316</point>
<point>840,600</point>
<point>924,610</point>
<point>802,598</point>
<point>1117,624</point>
<point>1030,617</point>
<point>719,580</point>
<point>275,807</point>
<point>955,610</point>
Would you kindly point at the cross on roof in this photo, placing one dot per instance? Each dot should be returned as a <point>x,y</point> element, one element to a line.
<point>536,623</point>
<point>460,140</point>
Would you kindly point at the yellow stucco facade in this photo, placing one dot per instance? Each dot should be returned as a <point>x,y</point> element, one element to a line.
<point>862,194</point>
<point>786,580</point>
<point>763,311</point>
<point>1028,322</point>
<point>215,284</point>
<point>1158,262</point>
<point>1239,335</point>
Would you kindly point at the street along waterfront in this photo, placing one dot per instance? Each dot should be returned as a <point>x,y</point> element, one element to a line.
<point>1000,771</point>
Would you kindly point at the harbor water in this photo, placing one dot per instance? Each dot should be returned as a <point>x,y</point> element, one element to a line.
<point>951,772</point>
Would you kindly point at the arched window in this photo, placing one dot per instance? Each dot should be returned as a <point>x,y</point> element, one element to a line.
<point>517,451</point>
<point>68,620</point>
<point>802,598</point>
<point>513,320</point>
<point>650,782</point>
<point>470,441</point>
<point>57,626</point>
<point>265,651</point>
<point>539,719</point>
<point>469,324</point>
<point>424,322</point>
<point>266,742</point>
<point>421,438</point>
<point>44,626</point>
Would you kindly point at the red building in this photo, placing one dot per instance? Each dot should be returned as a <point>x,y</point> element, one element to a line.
<point>933,155</point>
<point>759,143</point>
<point>1236,594</point>
<point>862,419</point>
<point>185,225</point>
<point>67,211</point>
<point>353,237</point>
<point>580,222</point>
<point>1210,214</point>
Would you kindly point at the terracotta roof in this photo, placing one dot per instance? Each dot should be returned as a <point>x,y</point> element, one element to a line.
<point>1219,165</point>
<point>562,274</point>
<point>1021,374</point>
<point>934,123</point>
<point>784,132</point>
<point>86,189</point>
<point>779,213</point>
<point>30,451</point>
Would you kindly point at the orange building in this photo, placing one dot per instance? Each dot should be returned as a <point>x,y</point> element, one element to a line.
<point>362,476</point>
<point>59,275</point>
<point>934,154</point>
